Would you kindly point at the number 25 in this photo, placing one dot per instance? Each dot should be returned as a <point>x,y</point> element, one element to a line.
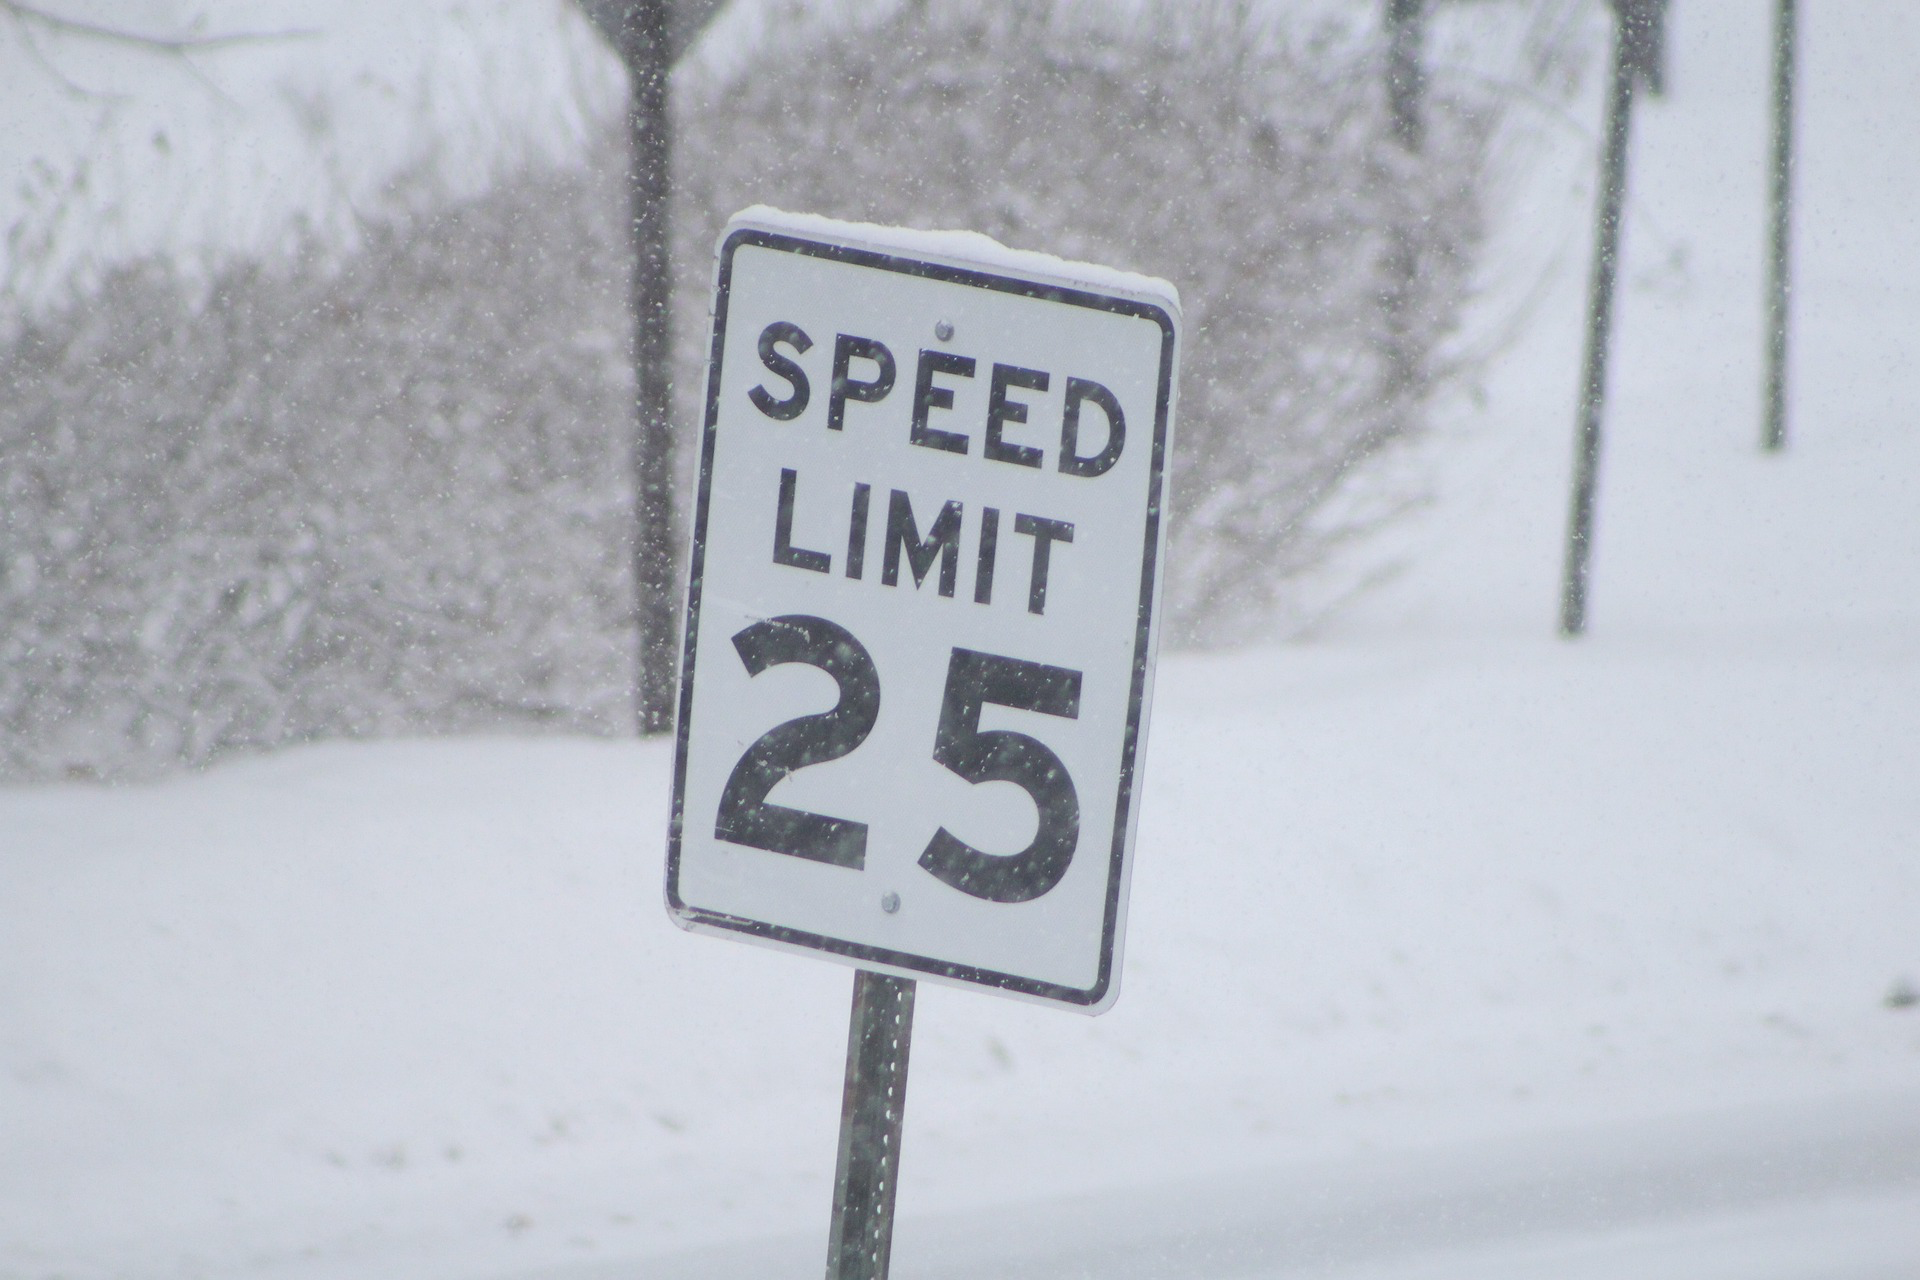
<point>993,755</point>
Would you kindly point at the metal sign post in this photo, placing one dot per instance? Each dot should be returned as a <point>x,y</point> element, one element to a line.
<point>926,553</point>
<point>878,1040</point>
<point>1406,78</point>
<point>1638,57</point>
<point>1774,432</point>
<point>1406,93</point>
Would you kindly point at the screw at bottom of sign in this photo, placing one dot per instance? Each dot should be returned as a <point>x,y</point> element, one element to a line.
<point>943,331</point>
<point>889,902</point>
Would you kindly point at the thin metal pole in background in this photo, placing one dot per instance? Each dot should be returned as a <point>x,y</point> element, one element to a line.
<point>1406,94</point>
<point>1406,79</point>
<point>1773,434</point>
<point>1593,385</point>
<point>878,1039</point>
<point>649,60</point>
<point>650,36</point>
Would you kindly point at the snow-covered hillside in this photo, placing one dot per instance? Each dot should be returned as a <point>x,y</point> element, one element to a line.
<point>296,120</point>
<point>1456,949</point>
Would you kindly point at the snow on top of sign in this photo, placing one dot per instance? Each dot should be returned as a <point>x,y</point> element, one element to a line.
<point>972,248</point>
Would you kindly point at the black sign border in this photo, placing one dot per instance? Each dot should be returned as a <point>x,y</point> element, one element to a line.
<point>689,916</point>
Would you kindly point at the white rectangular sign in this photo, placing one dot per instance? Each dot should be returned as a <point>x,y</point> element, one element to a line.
<point>921,618</point>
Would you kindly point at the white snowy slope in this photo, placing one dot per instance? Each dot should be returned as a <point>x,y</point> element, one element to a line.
<point>1456,949</point>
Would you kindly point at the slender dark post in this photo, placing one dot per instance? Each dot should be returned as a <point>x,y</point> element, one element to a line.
<point>1406,79</point>
<point>649,36</point>
<point>1593,385</point>
<point>644,48</point>
<point>1774,432</point>
<point>878,1039</point>
<point>1406,92</point>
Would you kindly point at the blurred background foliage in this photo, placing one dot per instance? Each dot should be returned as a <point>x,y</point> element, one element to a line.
<point>389,492</point>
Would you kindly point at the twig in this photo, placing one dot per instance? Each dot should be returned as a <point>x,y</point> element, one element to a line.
<point>31,43</point>
<point>30,13</point>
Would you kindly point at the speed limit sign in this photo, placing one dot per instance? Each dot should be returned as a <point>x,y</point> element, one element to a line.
<point>922,606</point>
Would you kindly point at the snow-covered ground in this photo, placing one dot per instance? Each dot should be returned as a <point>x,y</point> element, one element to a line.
<point>1456,949</point>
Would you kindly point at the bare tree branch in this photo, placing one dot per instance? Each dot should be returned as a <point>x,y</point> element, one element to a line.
<point>34,15</point>
<point>30,41</point>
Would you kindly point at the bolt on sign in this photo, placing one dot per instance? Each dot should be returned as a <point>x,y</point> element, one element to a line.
<point>923,604</point>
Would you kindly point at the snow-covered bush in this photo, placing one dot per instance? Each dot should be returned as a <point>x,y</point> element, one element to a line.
<point>1250,160</point>
<point>395,497</point>
<point>388,500</point>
